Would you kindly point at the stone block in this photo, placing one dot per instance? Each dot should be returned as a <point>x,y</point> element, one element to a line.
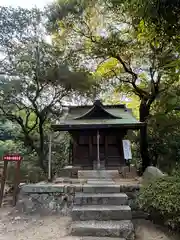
<point>45,188</point>
<point>64,180</point>
<point>42,198</point>
<point>34,196</point>
<point>117,229</point>
<point>78,187</point>
<point>100,181</point>
<point>98,174</point>
<point>95,188</point>
<point>71,189</point>
<point>26,205</point>
<point>65,190</point>
<point>78,181</point>
<point>129,172</point>
<point>101,213</point>
<point>100,199</point>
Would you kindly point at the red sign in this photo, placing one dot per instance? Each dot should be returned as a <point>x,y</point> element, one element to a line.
<point>12,157</point>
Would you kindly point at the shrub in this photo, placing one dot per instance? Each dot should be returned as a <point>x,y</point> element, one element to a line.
<point>28,173</point>
<point>161,198</point>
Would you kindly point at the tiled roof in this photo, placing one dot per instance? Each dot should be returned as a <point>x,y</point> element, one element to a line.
<point>114,115</point>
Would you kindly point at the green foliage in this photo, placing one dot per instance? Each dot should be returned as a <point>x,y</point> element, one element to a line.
<point>164,130</point>
<point>60,153</point>
<point>35,78</point>
<point>28,173</point>
<point>161,199</point>
<point>30,170</point>
<point>128,51</point>
<point>132,47</point>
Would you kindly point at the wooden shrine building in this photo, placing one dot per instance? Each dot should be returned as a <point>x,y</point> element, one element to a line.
<point>97,132</point>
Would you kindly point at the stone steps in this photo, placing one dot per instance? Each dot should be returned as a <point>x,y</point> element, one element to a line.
<point>98,174</point>
<point>102,188</point>
<point>118,229</point>
<point>100,198</point>
<point>101,212</point>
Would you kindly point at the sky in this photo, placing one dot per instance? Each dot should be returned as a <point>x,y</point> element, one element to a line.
<point>25,3</point>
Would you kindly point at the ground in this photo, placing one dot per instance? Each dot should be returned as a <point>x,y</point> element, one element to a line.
<point>146,230</point>
<point>22,227</point>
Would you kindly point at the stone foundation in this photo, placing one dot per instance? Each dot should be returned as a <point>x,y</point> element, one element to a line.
<point>44,198</point>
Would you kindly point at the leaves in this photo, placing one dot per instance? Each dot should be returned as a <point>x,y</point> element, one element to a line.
<point>35,78</point>
<point>108,68</point>
<point>161,197</point>
<point>120,45</point>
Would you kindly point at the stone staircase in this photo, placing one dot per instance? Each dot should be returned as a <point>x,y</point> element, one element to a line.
<point>101,211</point>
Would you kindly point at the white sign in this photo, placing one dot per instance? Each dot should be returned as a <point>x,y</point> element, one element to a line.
<point>127,149</point>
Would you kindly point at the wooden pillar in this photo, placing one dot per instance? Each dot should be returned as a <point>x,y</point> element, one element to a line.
<point>90,150</point>
<point>74,151</point>
<point>98,152</point>
<point>16,183</point>
<point>106,149</point>
<point>70,152</point>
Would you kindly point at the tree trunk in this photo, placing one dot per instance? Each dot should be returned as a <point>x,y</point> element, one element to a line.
<point>41,158</point>
<point>41,152</point>
<point>144,114</point>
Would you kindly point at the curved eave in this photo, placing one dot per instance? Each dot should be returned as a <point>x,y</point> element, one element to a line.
<point>67,127</point>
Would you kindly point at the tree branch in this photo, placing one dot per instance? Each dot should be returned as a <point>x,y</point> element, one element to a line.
<point>19,120</point>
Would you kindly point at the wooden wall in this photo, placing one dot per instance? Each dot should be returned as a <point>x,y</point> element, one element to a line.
<point>85,148</point>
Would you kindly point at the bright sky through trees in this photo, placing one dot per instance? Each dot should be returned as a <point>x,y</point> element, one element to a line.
<point>24,3</point>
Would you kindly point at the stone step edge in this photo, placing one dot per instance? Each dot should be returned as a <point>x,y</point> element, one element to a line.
<point>100,179</point>
<point>99,195</point>
<point>114,229</point>
<point>97,185</point>
<point>100,188</point>
<point>101,238</point>
<point>97,223</point>
<point>101,208</point>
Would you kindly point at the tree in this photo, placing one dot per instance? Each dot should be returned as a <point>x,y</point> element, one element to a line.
<point>125,52</point>
<point>164,130</point>
<point>35,79</point>
<point>162,16</point>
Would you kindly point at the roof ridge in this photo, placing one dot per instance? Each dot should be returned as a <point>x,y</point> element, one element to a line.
<point>97,107</point>
<point>105,106</point>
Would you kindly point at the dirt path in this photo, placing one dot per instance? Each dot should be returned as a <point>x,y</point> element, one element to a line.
<point>16,227</point>
<point>146,230</point>
<point>33,228</point>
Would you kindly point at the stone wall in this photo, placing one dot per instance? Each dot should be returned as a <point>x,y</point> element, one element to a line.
<point>58,198</point>
<point>45,198</point>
